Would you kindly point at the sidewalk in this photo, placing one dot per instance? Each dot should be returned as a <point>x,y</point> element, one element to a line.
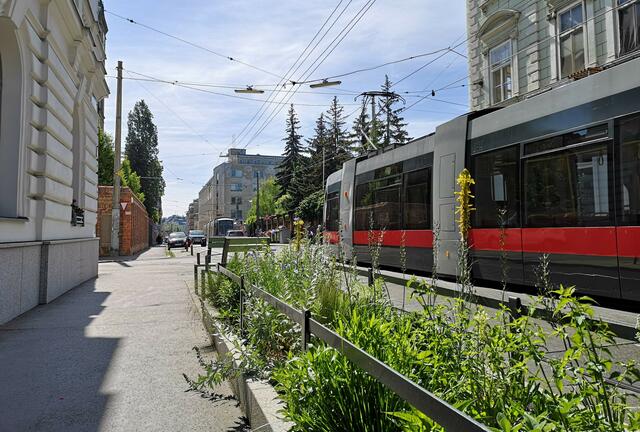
<point>110,354</point>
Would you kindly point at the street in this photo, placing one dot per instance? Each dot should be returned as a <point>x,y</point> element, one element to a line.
<point>109,355</point>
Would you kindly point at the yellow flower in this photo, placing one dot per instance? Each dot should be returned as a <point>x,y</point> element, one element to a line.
<point>464,207</point>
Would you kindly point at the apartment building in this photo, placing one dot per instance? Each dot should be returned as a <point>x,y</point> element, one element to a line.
<point>192,215</point>
<point>519,48</point>
<point>52,83</point>
<point>229,192</point>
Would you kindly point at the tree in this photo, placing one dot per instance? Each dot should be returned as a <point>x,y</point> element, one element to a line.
<point>394,127</point>
<point>142,152</point>
<point>293,156</point>
<point>269,193</point>
<point>339,146</point>
<point>316,145</point>
<point>105,159</point>
<point>360,128</point>
<point>310,208</point>
<point>130,179</point>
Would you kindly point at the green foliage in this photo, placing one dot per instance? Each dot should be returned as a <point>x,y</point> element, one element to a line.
<point>269,193</point>
<point>310,208</point>
<point>105,159</point>
<point>494,366</point>
<point>142,151</point>
<point>130,179</point>
<point>284,204</point>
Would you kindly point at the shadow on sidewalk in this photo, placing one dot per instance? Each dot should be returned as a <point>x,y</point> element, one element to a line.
<point>50,370</point>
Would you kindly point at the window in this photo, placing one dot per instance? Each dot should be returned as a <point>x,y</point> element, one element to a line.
<point>501,83</point>
<point>571,40</point>
<point>378,204</point>
<point>629,136</point>
<point>417,200</point>
<point>236,187</point>
<point>236,173</point>
<point>236,200</point>
<point>629,25</point>
<point>497,188</point>
<point>568,187</point>
<point>332,220</point>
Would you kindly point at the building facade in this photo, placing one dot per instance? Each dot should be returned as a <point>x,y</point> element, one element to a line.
<point>519,48</point>
<point>192,215</point>
<point>229,192</point>
<point>52,82</point>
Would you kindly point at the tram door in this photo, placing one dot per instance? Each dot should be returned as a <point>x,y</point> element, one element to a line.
<point>496,237</point>
<point>628,220</point>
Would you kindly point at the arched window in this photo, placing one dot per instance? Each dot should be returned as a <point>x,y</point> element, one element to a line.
<point>10,122</point>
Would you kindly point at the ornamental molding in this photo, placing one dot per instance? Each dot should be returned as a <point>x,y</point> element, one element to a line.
<point>499,25</point>
<point>5,7</point>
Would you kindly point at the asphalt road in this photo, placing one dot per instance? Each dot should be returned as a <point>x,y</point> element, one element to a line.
<point>109,356</point>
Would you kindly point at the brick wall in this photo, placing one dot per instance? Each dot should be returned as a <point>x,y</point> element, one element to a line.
<point>134,222</point>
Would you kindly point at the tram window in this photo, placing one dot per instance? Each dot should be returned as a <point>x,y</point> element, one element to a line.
<point>378,204</point>
<point>567,188</point>
<point>333,209</point>
<point>417,200</point>
<point>629,133</point>
<point>496,189</point>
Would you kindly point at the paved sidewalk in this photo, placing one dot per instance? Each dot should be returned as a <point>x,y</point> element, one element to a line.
<point>109,356</point>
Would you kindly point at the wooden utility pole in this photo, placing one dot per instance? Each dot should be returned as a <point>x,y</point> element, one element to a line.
<point>115,208</point>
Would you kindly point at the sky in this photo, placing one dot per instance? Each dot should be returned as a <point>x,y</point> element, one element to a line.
<point>197,125</point>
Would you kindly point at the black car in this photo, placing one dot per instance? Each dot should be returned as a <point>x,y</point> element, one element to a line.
<point>198,237</point>
<point>176,239</point>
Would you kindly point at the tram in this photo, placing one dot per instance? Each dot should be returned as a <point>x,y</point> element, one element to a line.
<point>560,172</point>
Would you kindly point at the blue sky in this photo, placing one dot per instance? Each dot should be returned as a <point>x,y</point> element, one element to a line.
<point>195,127</point>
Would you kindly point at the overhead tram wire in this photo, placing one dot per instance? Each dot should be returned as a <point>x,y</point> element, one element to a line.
<point>299,61</point>
<point>288,94</point>
<point>223,94</point>
<point>526,48</point>
<point>339,38</point>
<point>193,44</point>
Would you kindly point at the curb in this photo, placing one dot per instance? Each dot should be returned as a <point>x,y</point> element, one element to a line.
<point>258,399</point>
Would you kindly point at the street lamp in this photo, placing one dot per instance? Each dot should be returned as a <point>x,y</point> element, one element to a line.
<point>325,83</point>
<point>250,90</point>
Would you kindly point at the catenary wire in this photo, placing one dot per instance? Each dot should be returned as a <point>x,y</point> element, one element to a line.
<point>263,109</point>
<point>339,38</point>
<point>193,44</point>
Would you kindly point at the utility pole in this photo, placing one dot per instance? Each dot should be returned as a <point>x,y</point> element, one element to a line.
<point>323,154</point>
<point>372,131</point>
<point>257,196</point>
<point>115,208</point>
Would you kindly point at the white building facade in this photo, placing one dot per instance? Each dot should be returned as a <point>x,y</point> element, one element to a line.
<point>519,48</point>
<point>52,83</point>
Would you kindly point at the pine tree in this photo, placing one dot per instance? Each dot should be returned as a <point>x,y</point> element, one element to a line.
<point>293,156</point>
<point>142,151</point>
<point>105,159</point>
<point>393,126</point>
<point>316,145</point>
<point>339,146</point>
<point>360,131</point>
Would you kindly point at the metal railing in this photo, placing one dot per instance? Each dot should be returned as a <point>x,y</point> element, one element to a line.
<point>431,405</point>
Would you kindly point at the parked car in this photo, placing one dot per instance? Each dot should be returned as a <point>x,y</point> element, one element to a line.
<point>198,237</point>
<point>235,233</point>
<point>176,239</point>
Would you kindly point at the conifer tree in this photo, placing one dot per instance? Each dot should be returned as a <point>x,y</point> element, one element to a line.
<point>393,126</point>
<point>315,146</point>
<point>339,146</point>
<point>293,157</point>
<point>360,131</point>
<point>142,151</point>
